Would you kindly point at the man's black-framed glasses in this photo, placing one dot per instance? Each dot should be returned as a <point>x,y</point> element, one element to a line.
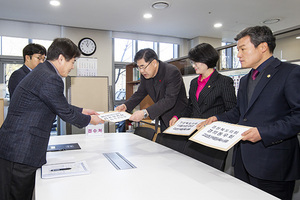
<point>144,67</point>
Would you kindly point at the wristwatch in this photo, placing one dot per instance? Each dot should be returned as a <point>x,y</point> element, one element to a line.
<point>145,113</point>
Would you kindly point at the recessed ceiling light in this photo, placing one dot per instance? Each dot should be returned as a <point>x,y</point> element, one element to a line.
<point>271,21</point>
<point>218,25</point>
<point>160,5</point>
<point>54,3</point>
<point>298,38</point>
<point>147,16</point>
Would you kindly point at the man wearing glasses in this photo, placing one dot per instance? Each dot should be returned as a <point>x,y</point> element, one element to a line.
<point>33,54</point>
<point>163,83</point>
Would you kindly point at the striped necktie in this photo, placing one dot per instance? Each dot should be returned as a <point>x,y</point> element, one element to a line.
<point>254,74</point>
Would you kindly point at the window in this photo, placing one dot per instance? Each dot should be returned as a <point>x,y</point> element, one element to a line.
<point>12,46</point>
<point>228,58</point>
<point>146,44</point>
<point>166,51</point>
<point>120,83</point>
<point>45,43</point>
<point>123,50</point>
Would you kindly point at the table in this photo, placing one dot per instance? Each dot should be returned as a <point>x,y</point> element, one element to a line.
<point>161,173</point>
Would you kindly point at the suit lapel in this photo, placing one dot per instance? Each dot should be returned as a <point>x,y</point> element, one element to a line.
<point>193,89</point>
<point>208,87</point>
<point>268,74</point>
<point>25,69</point>
<point>158,80</point>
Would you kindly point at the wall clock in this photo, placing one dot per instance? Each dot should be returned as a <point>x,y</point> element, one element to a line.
<point>87,46</point>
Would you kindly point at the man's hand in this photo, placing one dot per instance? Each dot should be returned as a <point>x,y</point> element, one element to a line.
<point>121,108</point>
<point>89,112</point>
<point>207,122</point>
<point>96,120</point>
<point>251,135</point>
<point>137,116</point>
<point>172,121</point>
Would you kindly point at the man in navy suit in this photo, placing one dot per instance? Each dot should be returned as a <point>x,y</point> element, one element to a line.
<point>33,54</point>
<point>268,157</point>
<point>25,132</point>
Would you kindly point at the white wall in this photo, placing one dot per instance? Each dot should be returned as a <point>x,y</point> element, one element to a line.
<point>103,52</point>
<point>288,48</point>
<point>29,30</point>
<point>215,42</point>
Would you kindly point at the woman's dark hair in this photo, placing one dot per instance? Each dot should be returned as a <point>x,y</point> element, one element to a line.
<point>204,53</point>
<point>148,55</point>
<point>63,46</point>
<point>258,35</point>
<point>33,48</point>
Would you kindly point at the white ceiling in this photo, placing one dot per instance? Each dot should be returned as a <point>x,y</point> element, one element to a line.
<point>184,18</point>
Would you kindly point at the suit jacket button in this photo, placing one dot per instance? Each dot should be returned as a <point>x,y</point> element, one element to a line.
<point>245,119</point>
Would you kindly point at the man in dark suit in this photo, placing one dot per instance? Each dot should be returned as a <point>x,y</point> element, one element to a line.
<point>268,156</point>
<point>33,54</point>
<point>163,83</point>
<point>25,132</point>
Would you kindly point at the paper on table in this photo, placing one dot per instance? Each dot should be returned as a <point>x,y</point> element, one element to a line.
<point>65,169</point>
<point>184,126</point>
<point>115,116</point>
<point>219,135</point>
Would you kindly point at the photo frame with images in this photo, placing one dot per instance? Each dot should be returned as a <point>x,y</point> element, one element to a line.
<point>184,126</point>
<point>219,135</point>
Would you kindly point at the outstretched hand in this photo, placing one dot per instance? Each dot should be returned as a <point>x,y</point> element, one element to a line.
<point>207,122</point>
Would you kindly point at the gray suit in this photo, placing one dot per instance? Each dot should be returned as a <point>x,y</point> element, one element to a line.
<point>37,100</point>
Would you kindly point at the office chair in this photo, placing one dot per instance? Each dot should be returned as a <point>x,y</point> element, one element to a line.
<point>145,132</point>
<point>213,157</point>
<point>174,142</point>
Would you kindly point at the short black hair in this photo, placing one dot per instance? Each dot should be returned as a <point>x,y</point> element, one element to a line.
<point>258,35</point>
<point>65,47</point>
<point>148,55</point>
<point>204,53</point>
<point>33,48</point>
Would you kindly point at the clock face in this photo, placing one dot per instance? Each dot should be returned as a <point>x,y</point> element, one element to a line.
<point>87,46</point>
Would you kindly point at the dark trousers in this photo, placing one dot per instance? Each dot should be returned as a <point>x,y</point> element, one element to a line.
<point>16,181</point>
<point>281,189</point>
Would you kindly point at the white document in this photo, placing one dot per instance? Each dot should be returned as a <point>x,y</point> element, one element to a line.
<point>65,169</point>
<point>184,126</point>
<point>219,135</point>
<point>115,116</point>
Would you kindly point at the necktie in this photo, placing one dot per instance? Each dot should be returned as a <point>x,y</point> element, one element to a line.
<point>254,74</point>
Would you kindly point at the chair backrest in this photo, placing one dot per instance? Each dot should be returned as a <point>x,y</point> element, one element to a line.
<point>210,156</point>
<point>145,132</point>
<point>174,142</point>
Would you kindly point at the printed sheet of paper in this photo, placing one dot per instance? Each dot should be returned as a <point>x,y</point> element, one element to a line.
<point>65,169</point>
<point>184,126</point>
<point>219,135</point>
<point>115,116</point>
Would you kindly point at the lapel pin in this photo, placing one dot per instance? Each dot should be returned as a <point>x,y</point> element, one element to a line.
<point>209,86</point>
<point>269,75</point>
